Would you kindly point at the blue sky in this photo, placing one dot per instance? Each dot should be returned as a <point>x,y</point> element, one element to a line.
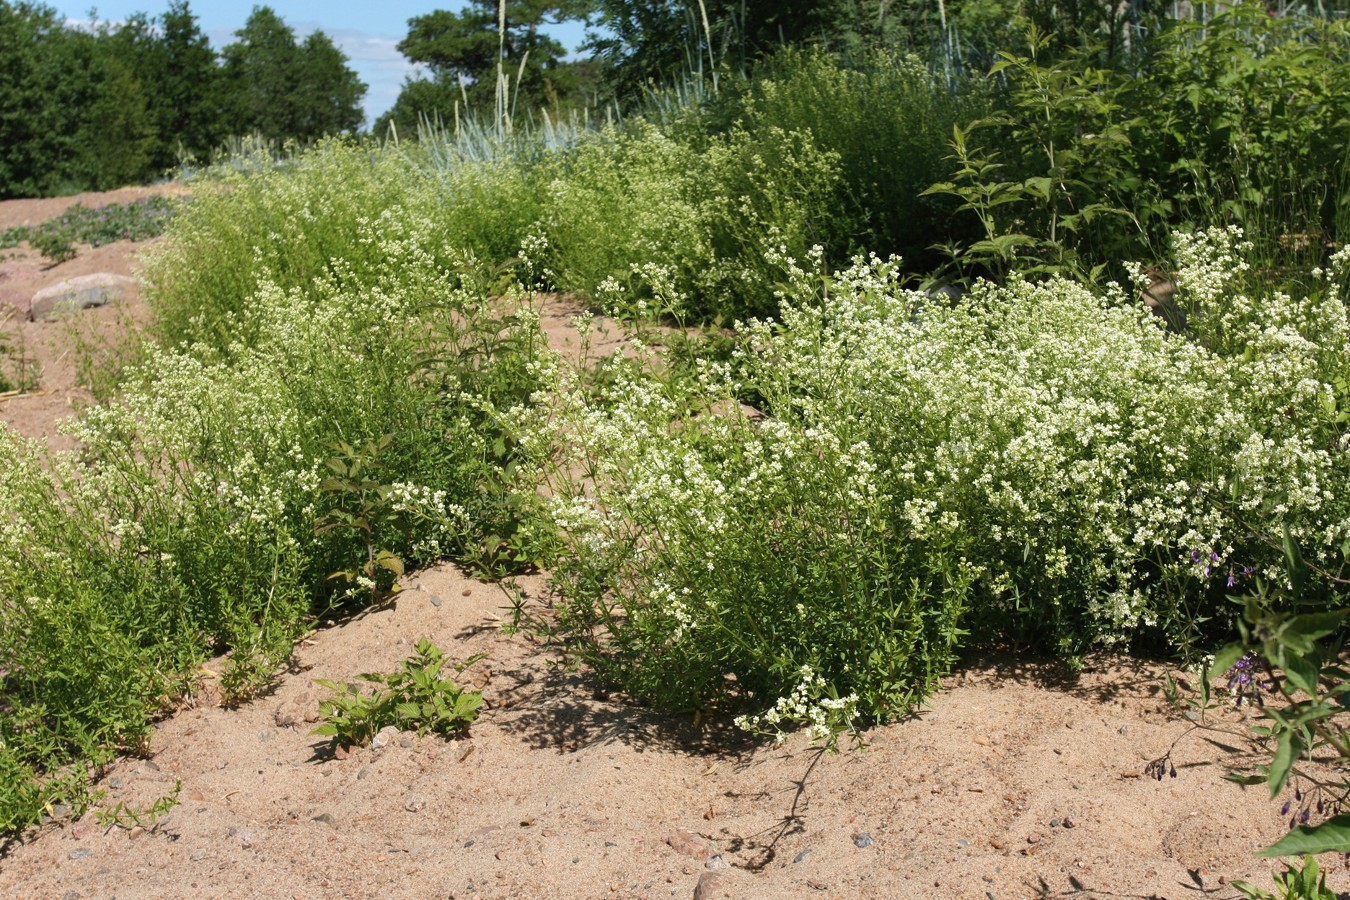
<point>367,32</point>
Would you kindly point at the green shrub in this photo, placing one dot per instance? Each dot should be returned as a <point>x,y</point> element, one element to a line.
<point>888,119</point>
<point>184,526</point>
<point>1038,462</point>
<point>688,225</point>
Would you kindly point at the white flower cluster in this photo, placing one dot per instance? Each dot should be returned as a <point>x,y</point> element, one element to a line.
<point>809,706</point>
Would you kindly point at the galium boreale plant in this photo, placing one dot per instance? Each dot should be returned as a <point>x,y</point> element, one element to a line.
<point>1042,453</point>
<point>183,525</point>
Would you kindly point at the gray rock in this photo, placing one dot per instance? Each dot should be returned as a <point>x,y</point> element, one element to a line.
<point>81,853</point>
<point>717,862</point>
<point>800,857</point>
<point>326,818</point>
<point>863,840</point>
<point>81,292</point>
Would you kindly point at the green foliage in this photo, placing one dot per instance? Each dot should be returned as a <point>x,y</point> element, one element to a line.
<point>284,90</point>
<point>1037,463</point>
<point>416,698</point>
<point>887,119</point>
<point>1305,883</point>
<point>184,527</point>
<point>138,220</point>
<point>637,217</point>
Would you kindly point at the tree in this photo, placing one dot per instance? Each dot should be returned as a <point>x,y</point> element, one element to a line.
<point>172,54</point>
<point>463,51</point>
<point>281,89</point>
<point>331,92</point>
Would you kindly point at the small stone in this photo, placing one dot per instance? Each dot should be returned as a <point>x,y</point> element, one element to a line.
<point>383,738</point>
<point>405,742</point>
<point>982,740</point>
<point>71,895</point>
<point>800,857</point>
<point>326,818</point>
<point>60,810</point>
<point>1033,838</point>
<point>962,842</point>
<point>198,855</point>
<point>81,853</point>
<point>436,601</point>
<point>863,840</point>
<point>996,843</point>
<point>1124,729</point>
<point>710,885</point>
<point>1054,823</point>
<point>1071,822</point>
<point>265,736</point>
<point>363,772</point>
<point>717,862</point>
<point>415,803</point>
<point>115,783</point>
<point>689,844</point>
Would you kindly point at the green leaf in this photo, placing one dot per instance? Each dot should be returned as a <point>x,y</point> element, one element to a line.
<point>1300,632</point>
<point>1288,749</point>
<point>1301,673</point>
<point>1333,835</point>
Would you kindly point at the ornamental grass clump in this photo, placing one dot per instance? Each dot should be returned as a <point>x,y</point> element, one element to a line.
<point>1036,463</point>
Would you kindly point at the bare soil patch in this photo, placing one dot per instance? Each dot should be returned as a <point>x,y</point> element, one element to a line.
<point>1019,780</point>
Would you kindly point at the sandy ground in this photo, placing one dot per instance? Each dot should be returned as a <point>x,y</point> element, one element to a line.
<point>1018,781</point>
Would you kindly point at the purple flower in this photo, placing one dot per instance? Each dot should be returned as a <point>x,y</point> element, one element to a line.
<point>1232,579</point>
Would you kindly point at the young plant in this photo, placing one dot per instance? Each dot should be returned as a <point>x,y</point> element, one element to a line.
<point>353,485</point>
<point>125,816</point>
<point>415,698</point>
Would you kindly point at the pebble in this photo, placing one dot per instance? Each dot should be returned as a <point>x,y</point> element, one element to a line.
<point>1033,838</point>
<point>81,853</point>
<point>415,803</point>
<point>962,842</point>
<point>801,856</point>
<point>198,855</point>
<point>1070,822</point>
<point>361,775</point>
<point>71,895</point>
<point>710,885</point>
<point>863,840</point>
<point>689,844</point>
<point>1054,823</point>
<point>405,742</point>
<point>1124,729</point>
<point>436,601</point>
<point>326,818</point>
<point>115,783</point>
<point>717,862</point>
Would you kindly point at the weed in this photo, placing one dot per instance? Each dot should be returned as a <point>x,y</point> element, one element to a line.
<point>125,816</point>
<point>418,698</point>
